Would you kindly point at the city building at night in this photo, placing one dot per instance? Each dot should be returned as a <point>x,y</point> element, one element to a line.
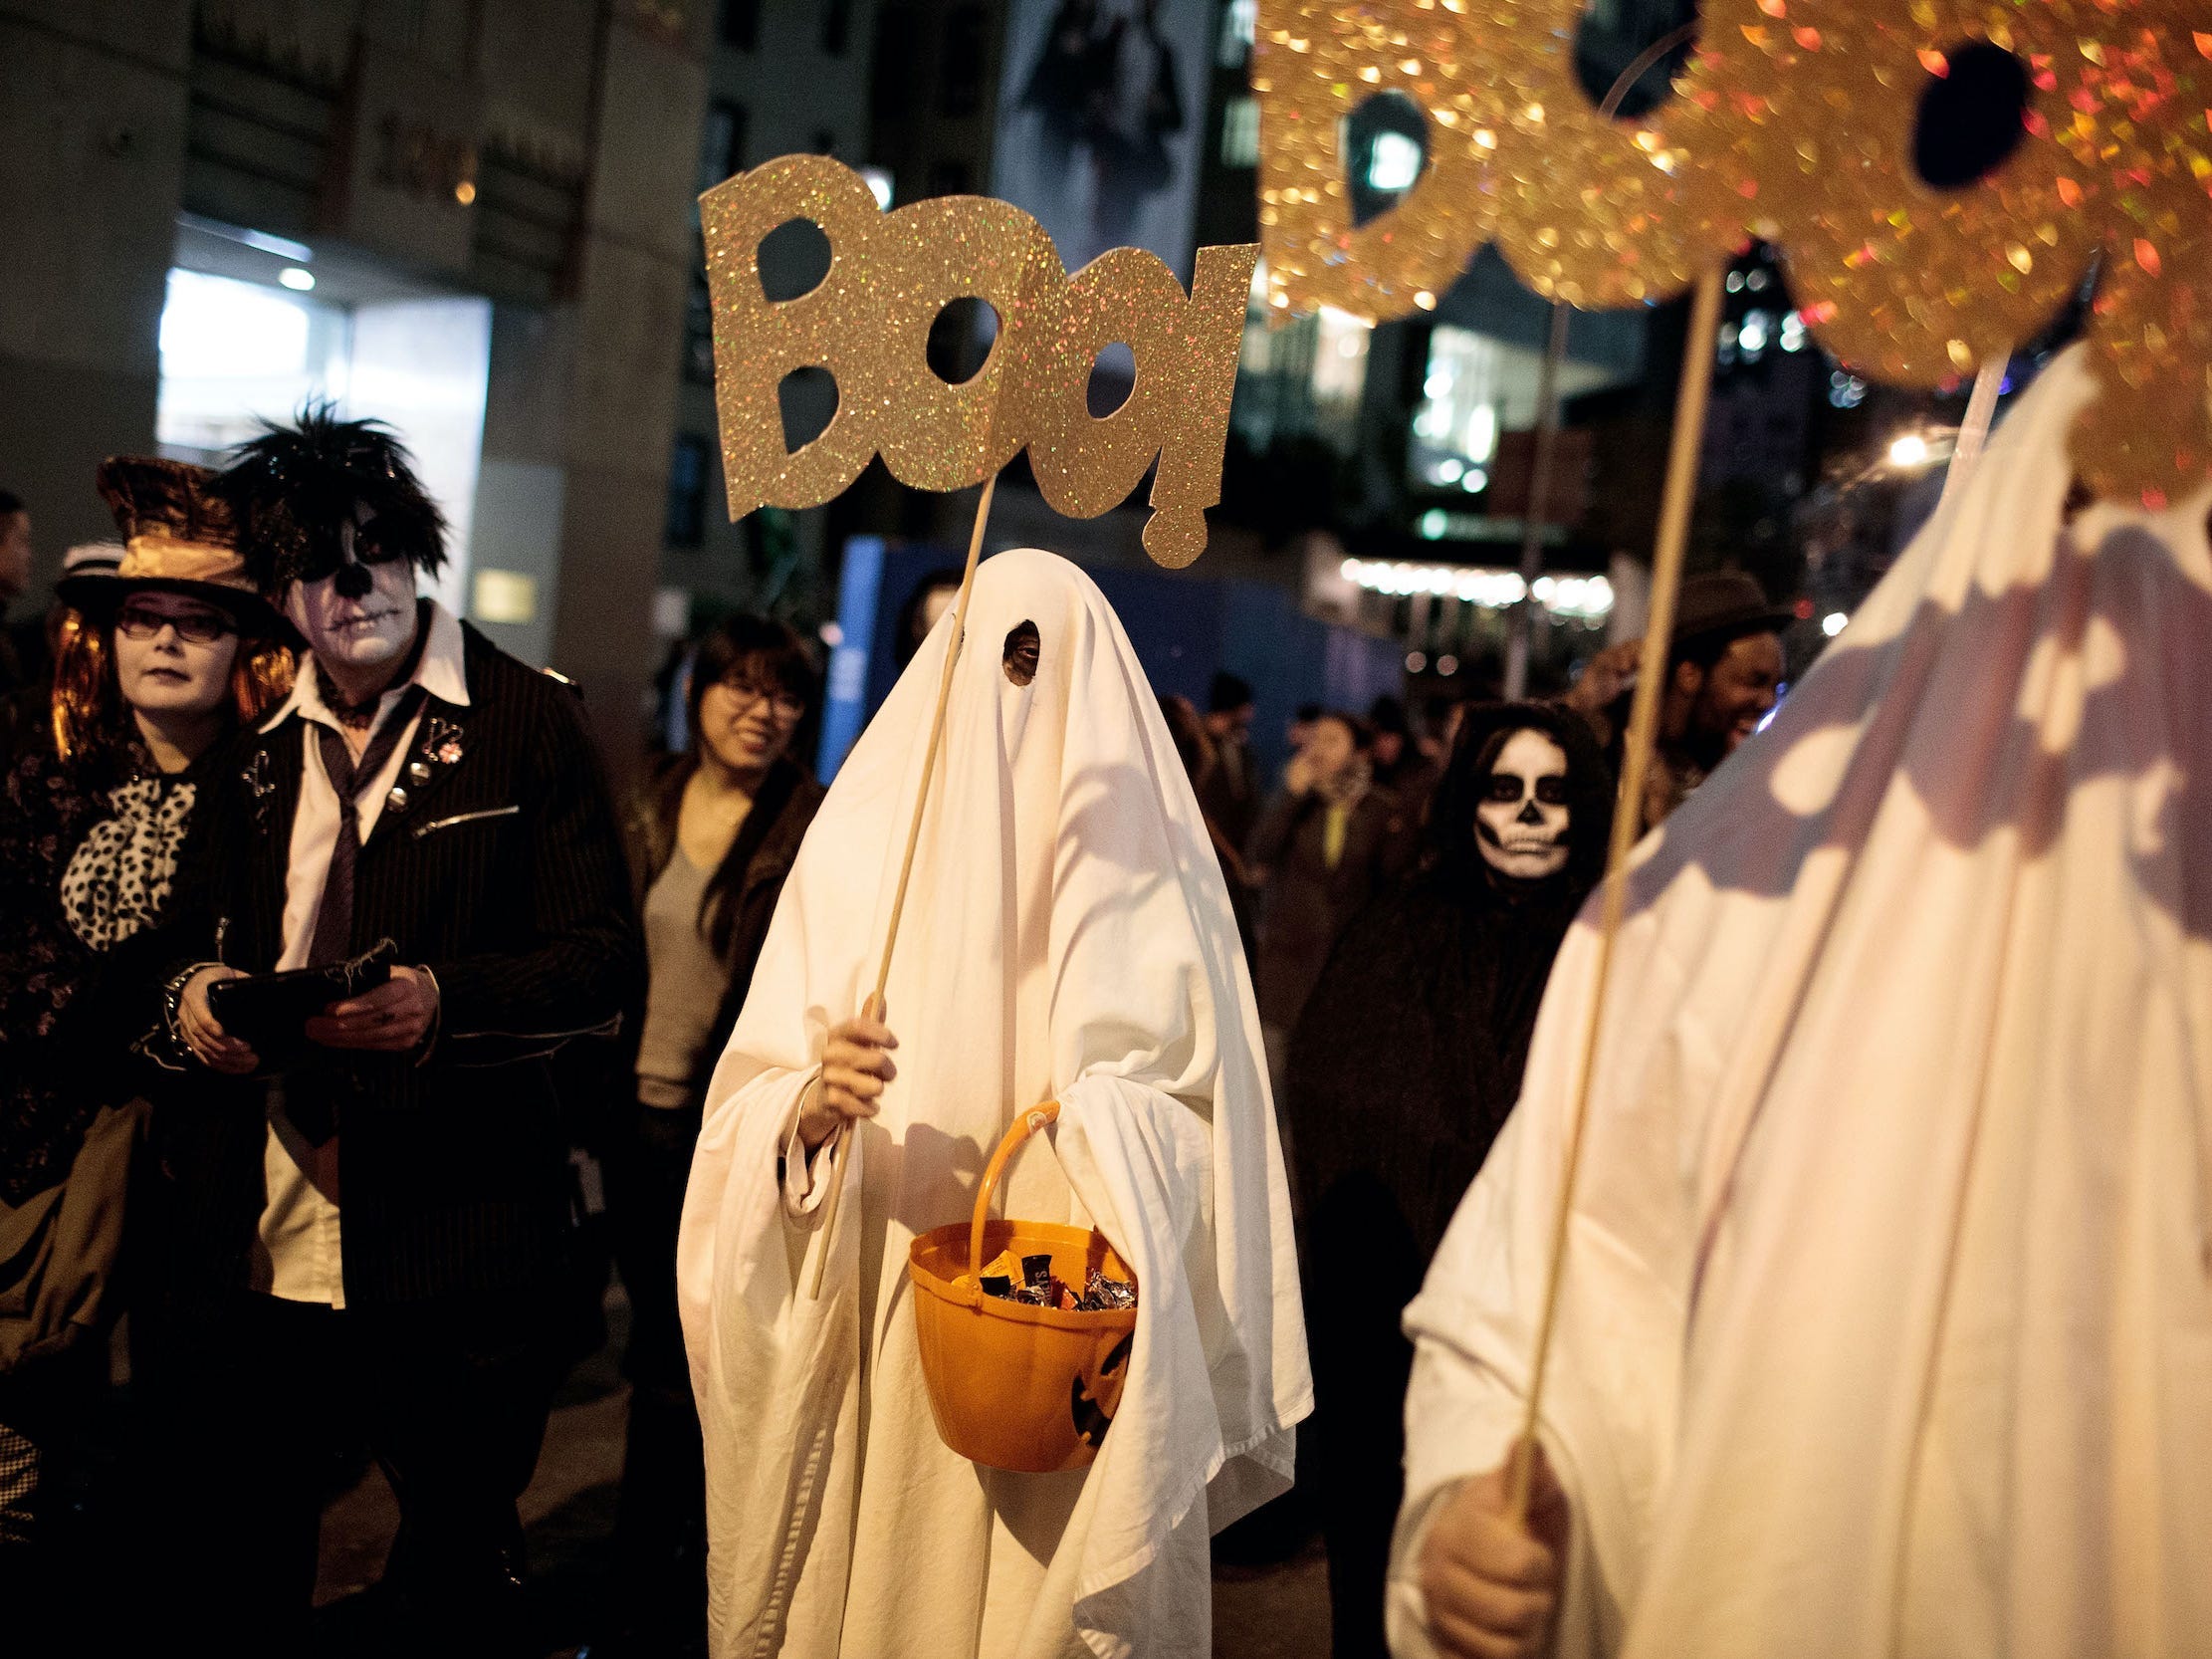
<point>470,220</point>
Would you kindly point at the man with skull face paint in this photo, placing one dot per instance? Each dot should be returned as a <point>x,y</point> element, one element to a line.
<point>419,787</point>
<point>1402,1071</point>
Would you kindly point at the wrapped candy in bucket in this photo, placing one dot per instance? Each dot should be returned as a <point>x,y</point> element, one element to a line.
<point>1025,1361</point>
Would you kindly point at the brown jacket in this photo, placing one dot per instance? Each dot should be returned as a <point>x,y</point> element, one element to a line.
<point>1307,903</point>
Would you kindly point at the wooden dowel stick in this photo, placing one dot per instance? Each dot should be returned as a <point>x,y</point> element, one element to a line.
<point>906,865</point>
<point>1688,441</point>
<point>1973,431</point>
<point>1520,638</point>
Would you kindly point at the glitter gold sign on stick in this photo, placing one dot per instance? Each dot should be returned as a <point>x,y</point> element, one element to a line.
<point>867,323</point>
<point>1796,122</point>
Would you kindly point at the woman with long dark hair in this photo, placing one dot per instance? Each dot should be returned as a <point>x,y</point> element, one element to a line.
<point>711,841</point>
<point>158,663</point>
<point>1403,1070</point>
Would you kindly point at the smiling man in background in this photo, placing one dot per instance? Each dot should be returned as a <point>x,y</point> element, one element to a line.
<point>422,789</point>
<point>1725,669</point>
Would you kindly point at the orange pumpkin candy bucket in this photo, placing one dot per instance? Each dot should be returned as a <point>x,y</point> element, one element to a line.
<point>1012,1385</point>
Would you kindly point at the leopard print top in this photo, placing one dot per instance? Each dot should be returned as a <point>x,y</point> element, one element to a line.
<point>119,877</point>
<point>88,858</point>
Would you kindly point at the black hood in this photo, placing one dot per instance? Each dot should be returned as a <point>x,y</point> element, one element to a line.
<point>1452,854</point>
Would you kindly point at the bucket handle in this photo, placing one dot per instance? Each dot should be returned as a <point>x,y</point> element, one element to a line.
<point>1027,1124</point>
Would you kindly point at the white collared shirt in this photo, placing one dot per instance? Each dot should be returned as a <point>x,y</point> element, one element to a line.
<point>297,1256</point>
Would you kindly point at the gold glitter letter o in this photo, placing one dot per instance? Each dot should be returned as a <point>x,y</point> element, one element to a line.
<point>923,257</point>
<point>1583,212</point>
<point>1818,103</point>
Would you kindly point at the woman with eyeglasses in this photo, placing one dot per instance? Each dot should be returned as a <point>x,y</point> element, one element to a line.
<point>710,841</point>
<point>156,663</point>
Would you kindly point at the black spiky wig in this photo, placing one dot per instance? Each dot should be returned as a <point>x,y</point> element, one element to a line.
<point>292,487</point>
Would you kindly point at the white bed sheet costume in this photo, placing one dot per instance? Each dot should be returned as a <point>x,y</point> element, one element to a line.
<point>1068,936</point>
<point>1887,1317</point>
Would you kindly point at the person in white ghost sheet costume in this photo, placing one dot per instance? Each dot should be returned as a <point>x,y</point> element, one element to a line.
<point>1067,937</point>
<point>1887,1326</point>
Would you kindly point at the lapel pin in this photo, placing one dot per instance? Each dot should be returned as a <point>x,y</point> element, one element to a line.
<point>261,787</point>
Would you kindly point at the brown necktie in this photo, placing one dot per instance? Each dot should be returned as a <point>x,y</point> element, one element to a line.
<point>334,920</point>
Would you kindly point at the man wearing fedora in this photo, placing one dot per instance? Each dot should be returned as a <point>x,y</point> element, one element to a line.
<point>1723,674</point>
<point>386,1223</point>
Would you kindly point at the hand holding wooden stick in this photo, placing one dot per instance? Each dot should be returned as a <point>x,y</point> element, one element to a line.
<point>906,872</point>
<point>1489,1577</point>
<point>856,1069</point>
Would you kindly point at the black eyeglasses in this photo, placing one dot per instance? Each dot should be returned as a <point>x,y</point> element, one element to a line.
<point>200,628</point>
<point>785,702</point>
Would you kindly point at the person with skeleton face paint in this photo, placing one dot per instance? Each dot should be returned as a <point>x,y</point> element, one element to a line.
<point>1402,1071</point>
<point>1520,823</point>
<point>421,789</point>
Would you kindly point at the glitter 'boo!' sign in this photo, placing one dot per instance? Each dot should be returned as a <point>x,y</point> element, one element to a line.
<point>1795,123</point>
<point>867,323</point>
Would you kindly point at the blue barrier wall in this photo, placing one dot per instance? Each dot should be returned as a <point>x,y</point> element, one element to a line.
<point>1184,627</point>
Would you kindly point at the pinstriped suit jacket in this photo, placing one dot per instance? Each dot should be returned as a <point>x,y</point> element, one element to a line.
<point>504,875</point>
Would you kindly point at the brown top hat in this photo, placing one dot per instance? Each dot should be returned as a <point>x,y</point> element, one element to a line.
<point>1725,604</point>
<point>179,537</point>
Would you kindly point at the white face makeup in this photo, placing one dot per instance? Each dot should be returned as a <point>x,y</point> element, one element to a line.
<point>1521,823</point>
<point>165,674</point>
<point>361,617</point>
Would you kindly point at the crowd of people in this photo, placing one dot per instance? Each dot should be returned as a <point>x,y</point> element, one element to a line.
<point>329,943</point>
<point>1406,896</point>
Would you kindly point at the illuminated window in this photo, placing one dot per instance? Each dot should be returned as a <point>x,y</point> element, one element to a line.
<point>1239,19</point>
<point>1241,132</point>
<point>1393,163</point>
<point>236,353</point>
<point>1474,388</point>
